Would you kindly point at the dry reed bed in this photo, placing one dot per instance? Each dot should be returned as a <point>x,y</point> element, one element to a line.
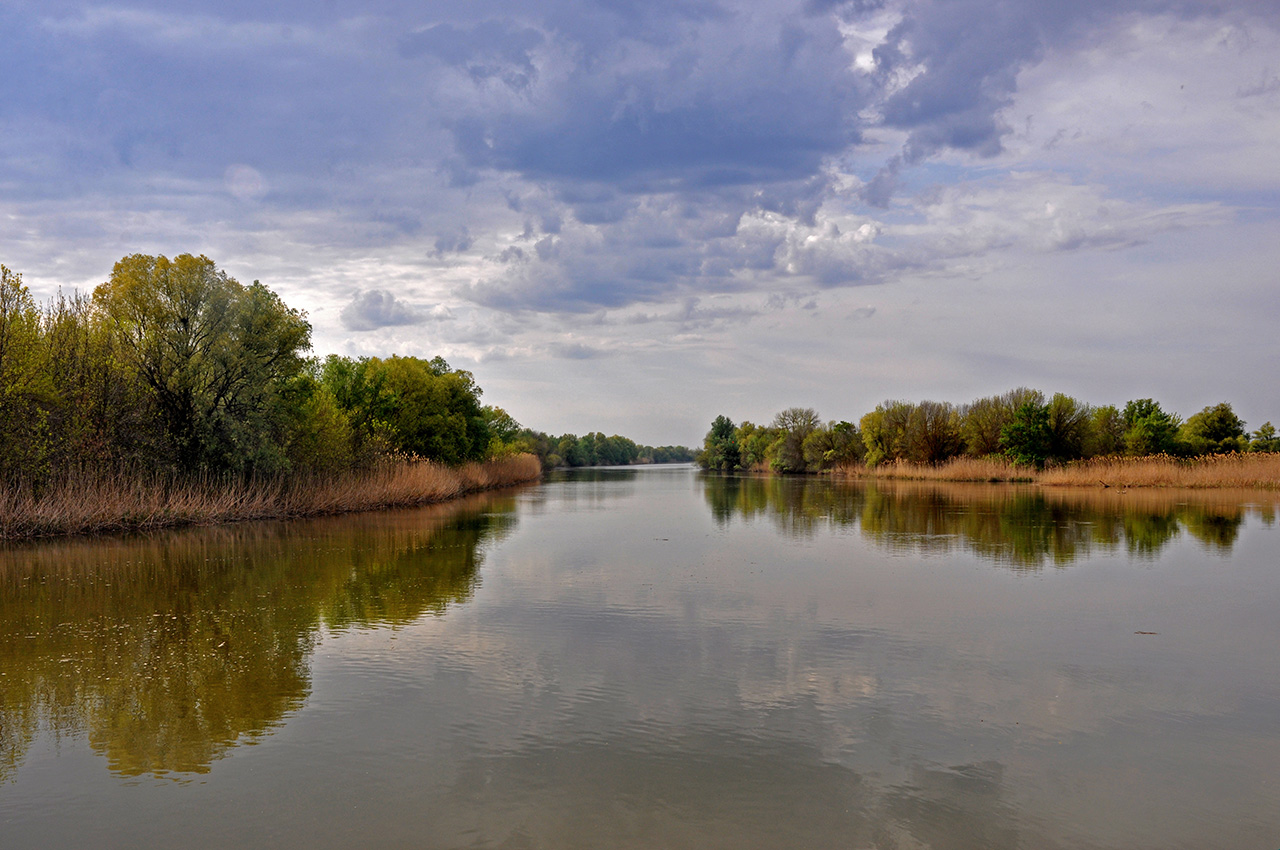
<point>90,504</point>
<point>1256,470</point>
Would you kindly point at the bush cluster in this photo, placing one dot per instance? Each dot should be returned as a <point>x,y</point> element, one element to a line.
<point>1022,425</point>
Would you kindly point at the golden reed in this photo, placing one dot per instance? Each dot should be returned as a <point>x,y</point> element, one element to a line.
<point>1255,470</point>
<point>94,503</point>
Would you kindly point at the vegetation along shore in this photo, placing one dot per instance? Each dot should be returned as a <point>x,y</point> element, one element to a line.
<point>175,394</point>
<point>1022,435</point>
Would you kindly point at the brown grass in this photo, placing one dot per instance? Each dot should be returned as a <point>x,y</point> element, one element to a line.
<point>958,469</point>
<point>94,504</point>
<point>1256,470</point>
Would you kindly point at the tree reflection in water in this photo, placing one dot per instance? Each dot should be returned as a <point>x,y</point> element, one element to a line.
<point>1022,527</point>
<point>166,650</point>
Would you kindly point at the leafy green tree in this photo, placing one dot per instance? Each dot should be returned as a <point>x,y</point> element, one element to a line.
<point>932,432</point>
<point>504,432</point>
<point>1265,439</point>
<point>1069,426</point>
<point>433,411</point>
<point>321,437</point>
<point>720,446</point>
<point>26,392</point>
<point>753,444</point>
<point>1025,439</point>
<point>793,425</point>
<point>1214,430</point>
<point>1105,435</point>
<point>214,354</point>
<point>884,432</point>
<point>834,444</point>
<point>1149,429</point>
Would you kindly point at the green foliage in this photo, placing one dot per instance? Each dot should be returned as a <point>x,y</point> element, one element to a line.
<point>932,432</point>
<point>833,444</point>
<point>26,391</point>
<point>1149,430</point>
<point>1265,439</point>
<point>1069,423</point>
<point>793,427</point>
<point>720,446</point>
<point>433,412</point>
<point>1026,439</point>
<point>174,365</point>
<point>884,432</point>
<point>1214,430</point>
<point>1105,435</point>
<point>753,444</point>
<point>215,355</point>
<point>321,436</point>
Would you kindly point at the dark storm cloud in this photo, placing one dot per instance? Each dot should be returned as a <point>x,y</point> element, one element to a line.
<point>633,137</point>
<point>693,115</point>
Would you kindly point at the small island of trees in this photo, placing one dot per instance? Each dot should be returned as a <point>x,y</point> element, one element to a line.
<point>1006,436</point>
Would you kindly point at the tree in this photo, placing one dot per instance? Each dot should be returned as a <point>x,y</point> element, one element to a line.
<point>794,425</point>
<point>25,389</point>
<point>1214,430</point>
<point>884,432</point>
<point>214,354</point>
<point>433,412</point>
<point>753,444</point>
<point>1265,439</point>
<point>933,432</point>
<point>1149,429</point>
<point>832,445</point>
<point>1026,438</point>
<point>1069,425</point>
<point>1105,435</point>
<point>720,446</point>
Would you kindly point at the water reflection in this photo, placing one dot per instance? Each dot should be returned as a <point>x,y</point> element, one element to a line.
<point>166,650</point>
<point>1022,527</point>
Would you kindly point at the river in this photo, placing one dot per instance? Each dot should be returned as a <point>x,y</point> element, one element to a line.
<point>657,658</point>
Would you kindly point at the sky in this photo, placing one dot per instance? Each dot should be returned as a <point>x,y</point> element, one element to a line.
<point>632,216</point>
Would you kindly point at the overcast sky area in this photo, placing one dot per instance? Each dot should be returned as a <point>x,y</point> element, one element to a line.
<point>634,215</point>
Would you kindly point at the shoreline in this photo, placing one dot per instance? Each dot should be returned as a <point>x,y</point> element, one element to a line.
<point>92,504</point>
<point>1252,471</point>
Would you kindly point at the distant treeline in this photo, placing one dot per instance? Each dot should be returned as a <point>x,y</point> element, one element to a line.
<point>173,366</point>
<point>1021,425</point>
<point>595,449</point>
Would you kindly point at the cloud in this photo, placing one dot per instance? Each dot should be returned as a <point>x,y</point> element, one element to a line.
<point>574,351</point>
<point>378,308</point>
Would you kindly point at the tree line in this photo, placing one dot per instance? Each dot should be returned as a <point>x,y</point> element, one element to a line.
<point>172,365</point>
<point>595,449</point>
<point>1022,425</point>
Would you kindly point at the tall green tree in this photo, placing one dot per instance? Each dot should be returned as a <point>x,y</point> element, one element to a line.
<point>794,425</point>
<point>884,432</point>
<point>1026,438</point>
<point>215,355</point>
<point>720,446</point>
<point>26,392</point>
<point>1069,425</point>
<point>433,411</point>
<point>1214,430</point>
<point>933,432</point>
<point>1265,439</point>
<point>1149,429</point>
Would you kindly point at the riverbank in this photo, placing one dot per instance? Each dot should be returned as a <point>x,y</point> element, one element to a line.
<point>98,504</point>
<point>1255,470</point>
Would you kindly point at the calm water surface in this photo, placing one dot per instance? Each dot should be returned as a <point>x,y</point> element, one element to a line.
<point>655,658</point>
